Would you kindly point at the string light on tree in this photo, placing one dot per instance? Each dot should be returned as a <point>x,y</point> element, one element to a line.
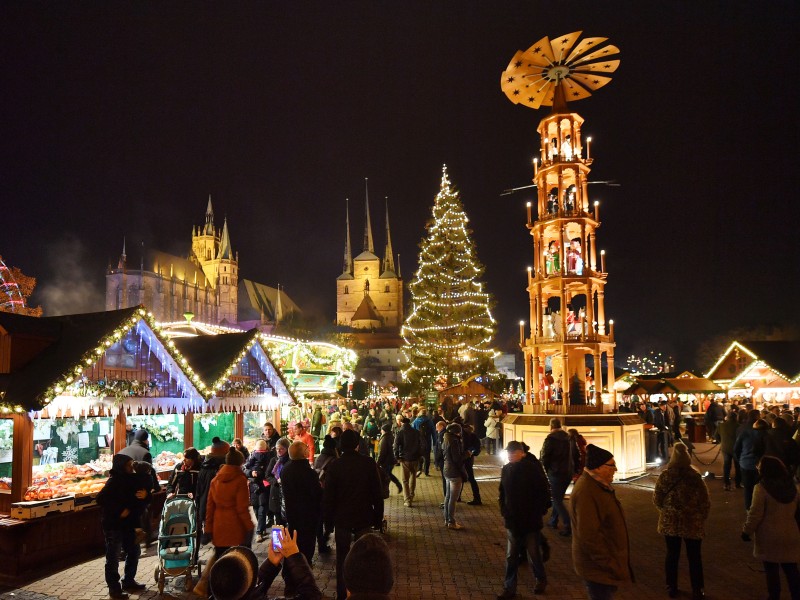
<point>449,332</point>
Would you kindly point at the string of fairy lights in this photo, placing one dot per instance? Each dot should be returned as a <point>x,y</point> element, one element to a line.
<point>450,325</point>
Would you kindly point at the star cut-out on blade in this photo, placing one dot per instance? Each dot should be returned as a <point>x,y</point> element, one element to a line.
<point>530,98</point>
<point>516,92</point>
<point>537,50</point>
<point>510,79</point>
<point>518,64</point>
<point>575,94</point>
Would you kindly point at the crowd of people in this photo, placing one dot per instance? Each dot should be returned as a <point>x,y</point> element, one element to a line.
<point>331,472</point>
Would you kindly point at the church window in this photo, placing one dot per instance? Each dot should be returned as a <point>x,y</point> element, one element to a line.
<point>386,289</point>
<point>208,254</point>
<point>390,304</point>
<point>224,269</point>
<point>346,290</point>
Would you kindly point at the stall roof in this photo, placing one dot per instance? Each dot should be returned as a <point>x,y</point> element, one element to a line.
<point>73,337</point>
<point>212,355</point>
<point>781,356</point>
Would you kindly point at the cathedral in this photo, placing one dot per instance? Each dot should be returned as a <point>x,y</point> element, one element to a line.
<point>369,292</point>
<point>206,283</point>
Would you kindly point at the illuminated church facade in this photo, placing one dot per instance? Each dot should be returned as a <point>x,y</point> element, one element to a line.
<point>205,283</point>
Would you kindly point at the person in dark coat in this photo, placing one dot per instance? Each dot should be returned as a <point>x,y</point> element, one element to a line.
<point>121,500</point>
<point>302,495</point>
<point>748,450</point>
<point>139,451</point>
<point>255,468</point>
<point>727,438</point>
<point>438,455</point>
<point>556,458</point>
<point>524,499</point>
<point>386,459</point>
<point>408,450</point>
<point>352,500</point>
<point>270,436</point>
<point>237,443</point>
<point>184,476</point>
<point>274,469</point>
<point>472,447</point>
<point>208,470</point>
<point>454,473</point>
<point>324,459</point>
<point>427,431</point>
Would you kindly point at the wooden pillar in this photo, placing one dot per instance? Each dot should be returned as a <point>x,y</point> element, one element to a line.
<point>276,420</point>
<point>564,379</point>
<point>120,430</point>
<point>601,312</point>
<point>238,425</point>
<point>598,379</point>
<point>22,453</point>
<point>188,430</point>
<point>536,391</point>
<point>611,379</point>
<point>527,358</point>
<point>593,252</point>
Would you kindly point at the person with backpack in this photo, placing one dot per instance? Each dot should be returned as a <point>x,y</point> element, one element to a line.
<point>556,458</point>
<point>425,426</point>
<point>386,461</point>
<point>324,459</point>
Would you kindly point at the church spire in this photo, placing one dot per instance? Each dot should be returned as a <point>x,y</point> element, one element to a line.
<point>225,250</point>
<point>122,257</point>
<point>348,252</point>
<point>209,228</point>
<point>368,246</point>
<point>388,255</point>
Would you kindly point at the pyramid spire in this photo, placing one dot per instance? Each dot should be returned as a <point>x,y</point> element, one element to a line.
<point>209,228</point>
<point>348,252</point>
<point>225,250</point>
<point>388,255</point>
<point>368,246</point>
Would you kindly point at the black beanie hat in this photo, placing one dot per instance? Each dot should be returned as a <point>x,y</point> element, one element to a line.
<point>368,566</point>
<point>234,574</point>
<point>141,435</point>
<point>234,457</point>
<point>349,440</point>
<point>596,456</point>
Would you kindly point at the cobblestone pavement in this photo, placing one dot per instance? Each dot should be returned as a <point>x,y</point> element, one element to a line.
<point>434,562</point>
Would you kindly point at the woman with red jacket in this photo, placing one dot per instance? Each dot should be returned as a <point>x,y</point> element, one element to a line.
<point>228,509</point>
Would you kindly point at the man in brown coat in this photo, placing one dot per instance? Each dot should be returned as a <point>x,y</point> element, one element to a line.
<point>600,545</point>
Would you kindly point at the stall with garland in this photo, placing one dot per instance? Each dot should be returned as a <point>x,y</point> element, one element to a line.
<point>75,390</point>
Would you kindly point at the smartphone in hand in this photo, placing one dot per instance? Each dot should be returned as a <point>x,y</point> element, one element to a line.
<point>277,536</point>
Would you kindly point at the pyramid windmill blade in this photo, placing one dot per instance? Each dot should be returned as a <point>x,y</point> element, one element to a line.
<point>532,76</point>
<point>518,62</point>
<point>575,91</point>
<point>541,53</point>
<point>534,94</point>
<point>591,81</point>
<point>562,44</point>
<point>608,66</point>
<point>585,46</point>
<point>597,55</point>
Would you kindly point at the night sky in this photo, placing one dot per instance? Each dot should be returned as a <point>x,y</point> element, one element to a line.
<point>118,119</point>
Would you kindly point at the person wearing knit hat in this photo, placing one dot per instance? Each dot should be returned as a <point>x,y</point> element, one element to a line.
<point>352,500</point>
<point>228,517</point>
<point>600,544</point>
<point>368,571</point>
<point>683,503</point>
<point>214,460</point>
<point>596,456</point>
<point>234,574</point>
<point>386,460</point>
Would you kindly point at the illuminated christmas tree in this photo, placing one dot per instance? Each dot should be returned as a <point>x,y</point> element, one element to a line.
<point>449,332</point>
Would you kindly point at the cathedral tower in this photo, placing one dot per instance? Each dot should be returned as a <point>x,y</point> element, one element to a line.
<point>369,293</point>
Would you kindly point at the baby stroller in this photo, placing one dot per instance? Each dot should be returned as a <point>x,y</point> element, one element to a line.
<point>177,542</point>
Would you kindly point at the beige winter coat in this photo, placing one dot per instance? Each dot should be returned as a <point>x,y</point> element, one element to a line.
<point>777,538</point>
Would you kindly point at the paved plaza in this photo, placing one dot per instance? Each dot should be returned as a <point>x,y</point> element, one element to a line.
<point>434,562</point>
